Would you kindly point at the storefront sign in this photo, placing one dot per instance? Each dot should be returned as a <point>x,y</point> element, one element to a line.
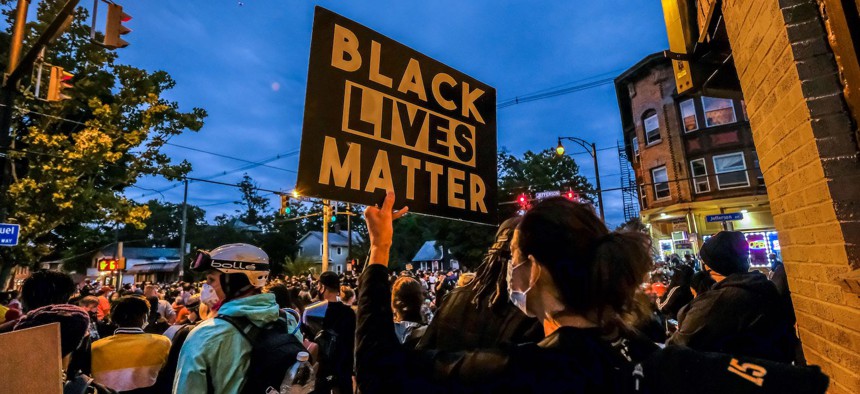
<point>380,115</point>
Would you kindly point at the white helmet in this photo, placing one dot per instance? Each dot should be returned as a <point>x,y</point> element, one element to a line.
<point>244,259</point>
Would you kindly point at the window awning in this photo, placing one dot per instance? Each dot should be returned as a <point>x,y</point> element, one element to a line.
<point>153,267</point>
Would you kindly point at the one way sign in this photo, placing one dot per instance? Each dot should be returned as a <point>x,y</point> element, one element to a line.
<point>9,234</point>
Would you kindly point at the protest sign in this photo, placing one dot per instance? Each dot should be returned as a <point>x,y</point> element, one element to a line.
<point>379,115</point>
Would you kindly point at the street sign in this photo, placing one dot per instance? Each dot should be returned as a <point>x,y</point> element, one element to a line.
<point>380,115</point>
<point>9,234</point>
<point>545,195</point>
<point>725,217</point>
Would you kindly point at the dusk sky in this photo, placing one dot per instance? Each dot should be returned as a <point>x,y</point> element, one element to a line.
<point>246,63</point>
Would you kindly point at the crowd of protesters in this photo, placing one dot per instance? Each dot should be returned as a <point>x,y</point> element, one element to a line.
<point>559,304</point>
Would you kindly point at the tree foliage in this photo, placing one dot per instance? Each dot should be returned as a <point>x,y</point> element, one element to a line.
<point>72,166</point>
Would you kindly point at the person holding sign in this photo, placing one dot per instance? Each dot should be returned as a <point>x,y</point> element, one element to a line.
<point>577,277</point>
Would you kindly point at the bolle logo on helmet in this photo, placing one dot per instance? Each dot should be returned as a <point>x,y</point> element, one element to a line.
<point>236,265</point>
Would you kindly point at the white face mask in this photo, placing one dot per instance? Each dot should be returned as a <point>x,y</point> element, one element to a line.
<point>208,295</point>
<point>518,297</point>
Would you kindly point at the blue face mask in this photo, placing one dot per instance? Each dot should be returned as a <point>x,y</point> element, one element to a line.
<point>518,297</point>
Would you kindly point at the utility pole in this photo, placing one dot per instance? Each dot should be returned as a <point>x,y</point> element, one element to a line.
<point>118,258</point>
<point>182,231</point>
<point>349,235</point>
<point>326,219</point>
<point>597,175</point>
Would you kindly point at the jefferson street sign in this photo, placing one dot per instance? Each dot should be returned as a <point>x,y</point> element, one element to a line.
<point>9,234</point>
<point>725,217</point>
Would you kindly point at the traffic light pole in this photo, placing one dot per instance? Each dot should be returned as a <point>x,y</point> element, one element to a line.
<point>326,219</point>
<point>591,148</point>
<point>17,70</point>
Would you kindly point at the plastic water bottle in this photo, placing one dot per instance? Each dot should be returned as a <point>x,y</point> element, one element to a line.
<point>300,377</point>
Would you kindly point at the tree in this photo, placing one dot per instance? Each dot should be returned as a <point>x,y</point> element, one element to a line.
<point>73,165</point>
<point>298,266</point>
<point>256,206</point>
<point>163,226</point>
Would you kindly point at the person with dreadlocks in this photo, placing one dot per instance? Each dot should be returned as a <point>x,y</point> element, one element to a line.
<point>480,315</point>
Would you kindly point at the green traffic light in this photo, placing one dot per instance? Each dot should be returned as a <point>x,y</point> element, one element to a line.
<point>333,219</point>
<point>287,210</point>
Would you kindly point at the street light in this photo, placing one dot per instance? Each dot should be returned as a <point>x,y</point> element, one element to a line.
<point>592,150</point>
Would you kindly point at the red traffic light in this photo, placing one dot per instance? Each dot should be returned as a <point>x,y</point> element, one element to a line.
<point>522,199</point>
<point>570,195</point>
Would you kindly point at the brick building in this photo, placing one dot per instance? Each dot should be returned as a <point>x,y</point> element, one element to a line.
<point>694,157</point>
<point>796,62</point>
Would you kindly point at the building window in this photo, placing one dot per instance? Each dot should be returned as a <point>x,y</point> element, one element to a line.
<point>338,268</point>
<point>688,115</point>
<point>635,143</point>
<point>321,250</point>
<point>643,197</point>
<point>652,127</point>
<point>660,179</point>
<point>718,111</point>
<point>339,251</point>
<point>731,171</point>
<point>700,176</point>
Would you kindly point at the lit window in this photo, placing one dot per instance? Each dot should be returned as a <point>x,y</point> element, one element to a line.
<point>643,197</point>
<point>718,111</point>
<point>731,170</point>
<point>635,143</point>
<point>652,127</point>
<point>688,115</point>
<point>660,179</point>
<point>700,176</point>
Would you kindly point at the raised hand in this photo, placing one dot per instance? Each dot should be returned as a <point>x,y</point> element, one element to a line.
<point>381,229</point>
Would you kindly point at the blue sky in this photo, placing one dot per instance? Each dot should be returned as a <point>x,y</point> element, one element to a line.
<point>247,66</point>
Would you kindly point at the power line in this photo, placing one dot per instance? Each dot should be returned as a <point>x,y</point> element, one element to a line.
<point>229,157</point>
<point>554,93</point>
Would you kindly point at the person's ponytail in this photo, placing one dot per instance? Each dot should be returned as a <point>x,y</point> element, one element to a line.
<point>620,262</point>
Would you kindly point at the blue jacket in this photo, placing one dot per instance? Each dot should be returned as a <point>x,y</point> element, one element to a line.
<point>217,349</point>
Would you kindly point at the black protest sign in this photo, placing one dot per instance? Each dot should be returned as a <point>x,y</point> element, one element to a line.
<point>381,115</point>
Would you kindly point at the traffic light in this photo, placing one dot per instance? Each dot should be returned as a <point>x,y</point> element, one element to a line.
<point>114,28</point>
<point>334,215</point>
<point>570,195</point>
<point>285,205</point>
<point>523,201</point>
<point>60,80</point>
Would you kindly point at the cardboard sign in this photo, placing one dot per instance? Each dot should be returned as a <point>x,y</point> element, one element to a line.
<point>380,115</point>
<point>31,361</point>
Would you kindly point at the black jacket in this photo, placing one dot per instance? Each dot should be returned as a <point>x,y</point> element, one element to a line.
<point>675,299</point>
<point>569,360</point>
<point>743,315</point>
<point>462,325</point>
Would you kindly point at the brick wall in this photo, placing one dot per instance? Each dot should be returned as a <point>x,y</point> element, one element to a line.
<point>654,91</point>
<point>809,155</point>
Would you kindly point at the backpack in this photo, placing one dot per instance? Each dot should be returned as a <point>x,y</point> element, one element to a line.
<point>273,352</point>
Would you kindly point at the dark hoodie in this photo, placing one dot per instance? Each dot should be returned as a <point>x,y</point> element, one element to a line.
<point>743,315</point>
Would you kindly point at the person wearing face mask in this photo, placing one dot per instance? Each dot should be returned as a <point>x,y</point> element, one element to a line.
<point>221,354</point>
<point>578,278</point>
<point>480,314</point>
<point>130,359</point>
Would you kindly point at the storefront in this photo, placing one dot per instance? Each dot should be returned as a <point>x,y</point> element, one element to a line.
<point>762,245</point>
